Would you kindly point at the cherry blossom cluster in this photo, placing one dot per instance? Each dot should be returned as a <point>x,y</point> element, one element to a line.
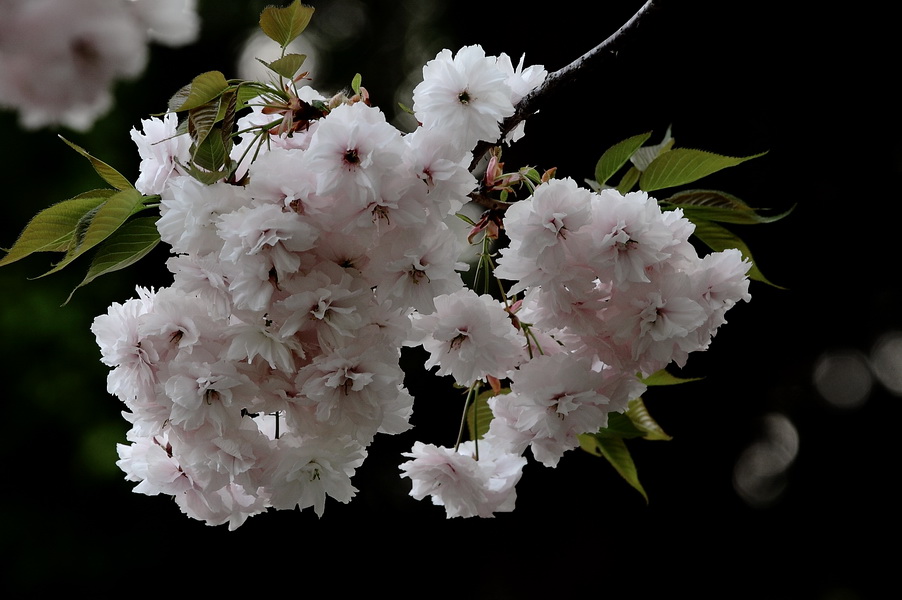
<point>260,377</point>
<point>59,59</point>
<point>613,291</point>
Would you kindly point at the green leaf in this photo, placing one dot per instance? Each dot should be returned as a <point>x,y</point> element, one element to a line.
<point>355,83</point>
<point>616,156</point>
<point>714,205</point>
<point>98,224</point>
<point>466,219</point>
<point>619,426</point>
<point>249,90</point>
<point>52,229</point>
<point>126,246</point>
<point>616,453</point>
<point>640,417</point>
<point>479,415</point>
<point>108,173</point>
<point>204,88</point>
<point>283,25</point>
<point>200,122</point>
<point>664,377</point>
<point>287,66</point>
<point>643,157</point>
<point>629,180</point>
<point>211,154</point>
<point>229,110</point>
<point>208,177</point>
<point>719,238</point>
<point>682,165</point>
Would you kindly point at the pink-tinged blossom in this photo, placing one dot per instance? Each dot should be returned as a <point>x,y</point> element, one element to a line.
<point>630,236</point>
<point>176,324</point>
<point>721,281</point>
<point>463,485</point>
<point>576,303</point>
<point>397,410</point>
<point>412,269</point>
<point>260,377</point>
<point>231,503</point>
<point>445,181</point>
<point>202,277</point>
<point>469,336</point>
<point>305,472</point>
<point>347,251</point>
<point>205,393</point>
<point>248,341</point>
<point>251,283</point>
<point>396,207</point>
<point>543,232</point>
<point>452,479</point>
<point>502,470</point>
<point>117,333</point>
<point>266,230</point>
<point>149,461</point>
<point>464,94</point>
<point>190,211</point>
<point>657,322</point>
<point>163,152</point>
<point>275,178</point>
<point>352,151</point>
<point>154,463</point>
<point>553,399</point>
<point>350,389</point>
<point>216,457</point>
<point>325,300</point>
<point>723,278</point>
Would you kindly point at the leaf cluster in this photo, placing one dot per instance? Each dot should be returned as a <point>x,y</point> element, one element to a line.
<point>104,220</point>
<point>662,166</point>
<point>211,103</point>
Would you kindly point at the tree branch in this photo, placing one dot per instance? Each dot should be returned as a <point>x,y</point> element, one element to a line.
<point>530,103</point>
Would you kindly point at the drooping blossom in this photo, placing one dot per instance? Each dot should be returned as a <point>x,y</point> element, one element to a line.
<point>469,336</point>
<point>553,400</point>
<point>463,484</point>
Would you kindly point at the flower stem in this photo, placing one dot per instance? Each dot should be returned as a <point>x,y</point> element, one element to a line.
<point>529,104</point>
<point>463,418</point>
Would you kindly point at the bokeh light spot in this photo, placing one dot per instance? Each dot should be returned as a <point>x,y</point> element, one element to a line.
<point>886,361</point>
<point>843,378</point>
<point>759,476</point>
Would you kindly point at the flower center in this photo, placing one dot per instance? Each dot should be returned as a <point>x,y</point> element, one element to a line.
<point>417,275</point>
<point>351,157</point>
<point>458,340</point>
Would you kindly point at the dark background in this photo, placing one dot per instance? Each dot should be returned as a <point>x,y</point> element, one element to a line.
<point>812,86</point>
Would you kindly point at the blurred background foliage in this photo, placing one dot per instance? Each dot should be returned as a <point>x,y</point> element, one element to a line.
<point>777,478</point>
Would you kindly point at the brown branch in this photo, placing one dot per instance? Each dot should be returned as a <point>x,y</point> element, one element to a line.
<point>530,103</point>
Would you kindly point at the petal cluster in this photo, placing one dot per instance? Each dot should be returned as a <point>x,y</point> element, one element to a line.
<point>258,379</point>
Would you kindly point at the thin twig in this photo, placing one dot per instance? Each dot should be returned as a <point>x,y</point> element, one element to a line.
<point>530,103</point>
